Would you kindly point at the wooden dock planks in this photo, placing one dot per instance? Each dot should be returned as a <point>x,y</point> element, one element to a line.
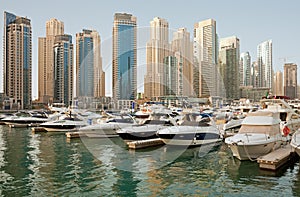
<point>145,143</point>
<point>276,159</point>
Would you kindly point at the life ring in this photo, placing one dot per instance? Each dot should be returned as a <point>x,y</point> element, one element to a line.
<point>286,131</point>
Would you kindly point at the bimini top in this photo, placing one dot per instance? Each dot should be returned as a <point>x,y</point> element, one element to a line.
<point>262,118</point>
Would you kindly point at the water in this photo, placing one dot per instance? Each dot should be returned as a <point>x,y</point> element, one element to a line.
<point>48,164</point>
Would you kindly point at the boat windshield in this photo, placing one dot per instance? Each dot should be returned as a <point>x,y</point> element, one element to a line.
<point>264,129</point>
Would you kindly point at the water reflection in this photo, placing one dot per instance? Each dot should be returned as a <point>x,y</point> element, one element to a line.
<point>5,177</point>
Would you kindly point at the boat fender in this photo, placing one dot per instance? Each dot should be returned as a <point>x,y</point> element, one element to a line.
<point>286,131</point>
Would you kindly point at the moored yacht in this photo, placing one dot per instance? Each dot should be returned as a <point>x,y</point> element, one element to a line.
<point>259,134</point>
<point>148,129</point>
<point>65,123</point>
<point>295,142</point>
<point>110,127</point>
<point>195,130</point>
<point>28,118</point>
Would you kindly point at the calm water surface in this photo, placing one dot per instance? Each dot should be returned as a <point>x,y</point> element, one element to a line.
<point>50,164</point>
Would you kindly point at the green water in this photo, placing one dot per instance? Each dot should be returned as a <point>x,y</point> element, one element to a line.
<point>49,164</point>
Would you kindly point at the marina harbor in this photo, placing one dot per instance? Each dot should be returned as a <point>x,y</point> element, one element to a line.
<point>138,149</point>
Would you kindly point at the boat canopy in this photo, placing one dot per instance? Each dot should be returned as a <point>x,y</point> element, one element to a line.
<point>263,129</point>
<point>262,118</point>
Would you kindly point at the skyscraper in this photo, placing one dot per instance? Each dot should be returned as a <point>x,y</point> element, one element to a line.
<point>17,59</point>
<point>157,49</point>
<point>54,27</point>
<point>245,69</point>
<point>182,49</point>
<point>172,76</point>
<point>63,69</point>
<point>206,58</point>
<point>290,80</point>
<point>229,56</point>
<point>90,77</point>
<point>265,64</point>
<point>124,57</point>
<point>278,84</point>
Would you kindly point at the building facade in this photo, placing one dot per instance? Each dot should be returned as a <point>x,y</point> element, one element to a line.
<point>290,80</point>
<point>54,27</point>
<point>17,60</point>
<point>278,84</point>
<point>229,55</point>
<point>63,69</point>
<point>157,49</point>
<point>89,73</point>
<point>206,59</point>
<point>124,61</point>
<point>182,49</point>
<point>265,64</point>
<point>245,69</point>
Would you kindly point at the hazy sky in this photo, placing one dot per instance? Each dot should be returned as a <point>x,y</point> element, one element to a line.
<point>251,21</point>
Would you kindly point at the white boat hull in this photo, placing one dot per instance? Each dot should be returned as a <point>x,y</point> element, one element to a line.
<point>175,142</point>
<point>249,152</point>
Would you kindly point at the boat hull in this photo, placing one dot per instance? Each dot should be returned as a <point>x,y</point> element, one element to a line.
<point>249,152</point>
<point>190,139</point>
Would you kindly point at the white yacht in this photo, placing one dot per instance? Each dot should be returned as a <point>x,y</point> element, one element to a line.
<point>295,142</point>
<point>148,129</point>
<point>28,118</point>
<point>289,118</point>
<point>259,134</point>
<point>195,130</point>
<point>109,127</point>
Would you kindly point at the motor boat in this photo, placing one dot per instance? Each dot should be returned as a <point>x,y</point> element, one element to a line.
<point>148,129</point>
<point>109,127</point>
<point>295,142</point>
<point>28,118</point>
<point>289,118</point>
<point>232,127</point>
<point>193,130</point>
<point>259,134</point>
<point>65,123</point>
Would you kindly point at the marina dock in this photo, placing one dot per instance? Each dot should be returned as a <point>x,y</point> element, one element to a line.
<point>38,129</point>
<point>145,143</point>
<point>277,158</point>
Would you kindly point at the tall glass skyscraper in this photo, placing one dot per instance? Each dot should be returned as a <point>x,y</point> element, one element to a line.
<point>63,69</point>
<point>17,60</point>
<point>88,64</point>
<point>265,64</point>
<point>124,57</point>
<point>245,69</point>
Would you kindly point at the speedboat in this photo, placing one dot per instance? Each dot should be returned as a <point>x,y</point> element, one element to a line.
<point>259,134</point>
<point>194,130</point>
<point>28,118</point>
<point>295,142</point>
<point>232,127</point>
<point>64,124</point>
<point>148,129</point>
<point>110,127</point>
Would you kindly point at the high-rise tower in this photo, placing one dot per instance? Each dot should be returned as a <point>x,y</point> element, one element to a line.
<point>54,27</point>
<point>229,56</point>
<point>245,69</point>
<point>206,58</point>
<point>290,80</point>
<point>124,61</point>
<point>158,48</point>
<point>265,64</point>
<point>17,59</point>
<point>90,76</point>
<point>182,49</point>
<point>63,69</point>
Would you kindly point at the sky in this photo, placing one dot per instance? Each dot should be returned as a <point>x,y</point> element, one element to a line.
<point>252,22</point>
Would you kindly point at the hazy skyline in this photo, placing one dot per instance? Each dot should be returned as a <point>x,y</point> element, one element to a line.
<point>253,22</point>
